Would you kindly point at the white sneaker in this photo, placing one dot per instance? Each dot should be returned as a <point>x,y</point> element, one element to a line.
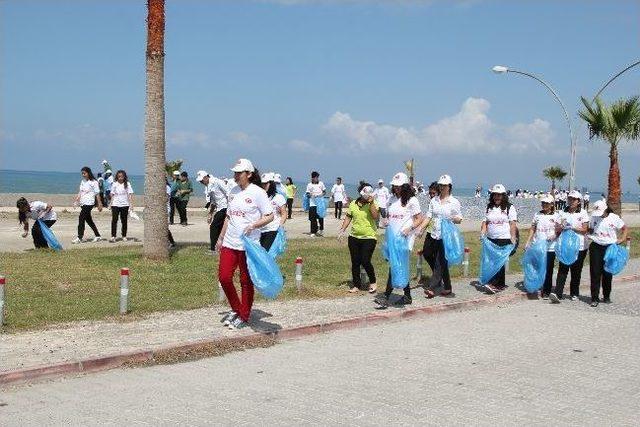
<point>553,298</point>
<point>237,323</point>
<point>312,235</point>
<point>112,240</point>
<point>76,241</point>
<point>574,298</point>
<point>321,233</point>
<point>124,239</point>
<point>96,239</point>
<point>227,318</point>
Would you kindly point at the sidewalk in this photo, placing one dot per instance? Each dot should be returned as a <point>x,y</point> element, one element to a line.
<point>83,341</point>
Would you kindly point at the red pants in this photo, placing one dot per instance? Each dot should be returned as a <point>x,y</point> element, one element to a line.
<point>230,259</point>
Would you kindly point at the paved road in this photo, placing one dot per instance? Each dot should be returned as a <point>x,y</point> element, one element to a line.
<point>529,363</point>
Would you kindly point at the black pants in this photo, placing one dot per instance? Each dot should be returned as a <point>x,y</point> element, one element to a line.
<point>576,274</point>
<point>338,209</point>
<point>36,232</point>
<point>429,251</point>
<point>389,290</point>
<point>267,238</point>
<point>181,206</point>
<point>440,268</point>
<point>315,220</point>
<point>548,278</point>
<point>598,274</point>
<point>361,251</point>
<point>85,217</point>
<point>173,203</point>
<point>289,208</point>
<point>123,212</point>
<point>216,227</point>
<point>499,278</point>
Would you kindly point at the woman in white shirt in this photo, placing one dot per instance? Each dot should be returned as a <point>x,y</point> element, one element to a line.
<point>500,227</point>
<point>442,206</point>
<point>279,205</point>
<point>339,195</point>
<point>121,202</point>
<point>248,211</point>
<point>573,217</point>
<point>603,228</point>
<point>315,189</point>
<point>403,216</point>
<point>86,197</point>
<point>546,226</point>
<point>35,210</point>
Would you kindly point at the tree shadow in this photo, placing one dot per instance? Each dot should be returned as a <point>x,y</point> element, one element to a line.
<point>530,296</point>
<point>258,324</point>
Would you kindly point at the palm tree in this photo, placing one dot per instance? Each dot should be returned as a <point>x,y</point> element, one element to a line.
<point>554,173</point>
<point>613,123</point>
<point>155,209</point>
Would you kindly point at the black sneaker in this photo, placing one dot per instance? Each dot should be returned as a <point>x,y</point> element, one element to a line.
<point>553,298</point>
<point>594,303</point>
<point>406,300</point>
<point>382,301</point>
<point>607,300</point>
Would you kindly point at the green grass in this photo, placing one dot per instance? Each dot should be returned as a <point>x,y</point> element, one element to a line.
<point>44,287</point>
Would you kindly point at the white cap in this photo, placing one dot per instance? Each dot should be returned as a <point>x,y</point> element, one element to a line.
<point>366,191</point>
<point>380,181</point>
<point>243,165</point>
<point>599,207</point>
<point>547,198</point>
<point>575,194</point>
<point>108,171</point>
<point>445,180</point>
<point>268,176</point>
<point>498,188</point>
<point>399,179</point>
<point>104,162</point>
<point>201,174</point>
<point>277,178</point>
<point>176,172</point>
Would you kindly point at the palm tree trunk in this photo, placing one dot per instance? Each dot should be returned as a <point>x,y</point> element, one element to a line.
<point>614,190</point>
<point>155,210</point>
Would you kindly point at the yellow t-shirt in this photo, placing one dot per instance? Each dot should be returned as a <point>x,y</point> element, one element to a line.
<point>363,226</point>
<point>290,189</point>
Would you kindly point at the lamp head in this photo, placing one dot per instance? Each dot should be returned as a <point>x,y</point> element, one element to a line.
<point>500,69</point>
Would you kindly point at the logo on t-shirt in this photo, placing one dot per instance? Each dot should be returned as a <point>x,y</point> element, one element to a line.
<point>248,201</point>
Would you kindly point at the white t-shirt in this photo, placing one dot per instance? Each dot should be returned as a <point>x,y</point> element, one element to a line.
<point>604,229</point>
<point>575,220</point>
<point>38,208</point>
<point>546,228</point>
<point>498,222</point>
<point>338,192</point>
<point>88,192</point>
<point>401,217</point>
<point>315,190</point>
<point>438,210</point>
<point>120,194</point>
<point>277,202</point>
<point>586,197</point>
<point>245,208</point>
<point>216,192</point>
<point>382,196</point>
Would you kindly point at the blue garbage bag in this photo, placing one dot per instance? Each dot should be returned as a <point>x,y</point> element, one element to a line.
<point>615,258</point>
<point>321,205</point>
<point>453,242</point>
<point>534,265</point>
<point>567,247</point>
<point>263,269</point>
<point>279,245</point>
<point>305,202</point>
<point>49,236</point>
<point>493,258</point>
<point>396,250</point>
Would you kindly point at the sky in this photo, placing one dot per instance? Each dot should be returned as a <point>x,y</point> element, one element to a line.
<point>350,88</point>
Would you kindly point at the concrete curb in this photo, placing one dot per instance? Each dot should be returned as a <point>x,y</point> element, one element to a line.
<point>150,357</point>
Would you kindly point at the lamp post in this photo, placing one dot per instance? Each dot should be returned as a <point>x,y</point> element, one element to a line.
<point>613,78</point>
<point>500,69</point>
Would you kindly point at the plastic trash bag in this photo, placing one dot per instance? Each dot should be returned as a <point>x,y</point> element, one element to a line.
<point>134,215</point>
<point>493,258</point>
<point>567,247</point>
<point>279,245</point>
<point>453,242</point>
<point>305,202</point>
<point>395,249</point>
<point>263,269</point>
<point>615,258</point>
<point>49,236</point>
<point>534,265</point>
<point>321,206</point>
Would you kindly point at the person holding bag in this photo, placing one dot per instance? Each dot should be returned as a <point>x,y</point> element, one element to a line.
<point>279,204</point>
<point>572,218</point>
<point>35,210</point>
<point>248,211</point>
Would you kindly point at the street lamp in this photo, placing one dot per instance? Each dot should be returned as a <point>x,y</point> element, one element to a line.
<point>612,79</point>
<point>501,69</point>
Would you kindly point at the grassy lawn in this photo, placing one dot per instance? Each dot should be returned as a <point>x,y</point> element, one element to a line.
<point>44,287</point>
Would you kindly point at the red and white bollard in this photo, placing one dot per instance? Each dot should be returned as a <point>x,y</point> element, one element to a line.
<point>629,244</point>
<point>465,262</point>
<point>124,290</point>
<point>299,273</point>
<point>419,267</point>
<point>2,283</point>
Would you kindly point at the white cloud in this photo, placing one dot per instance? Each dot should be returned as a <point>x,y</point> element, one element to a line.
<point>468,131</point>
<point>200,139</point>
<point>305,146</point>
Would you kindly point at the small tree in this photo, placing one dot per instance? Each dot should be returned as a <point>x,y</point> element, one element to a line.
<point>554,173</point>
<point>172,166</point>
